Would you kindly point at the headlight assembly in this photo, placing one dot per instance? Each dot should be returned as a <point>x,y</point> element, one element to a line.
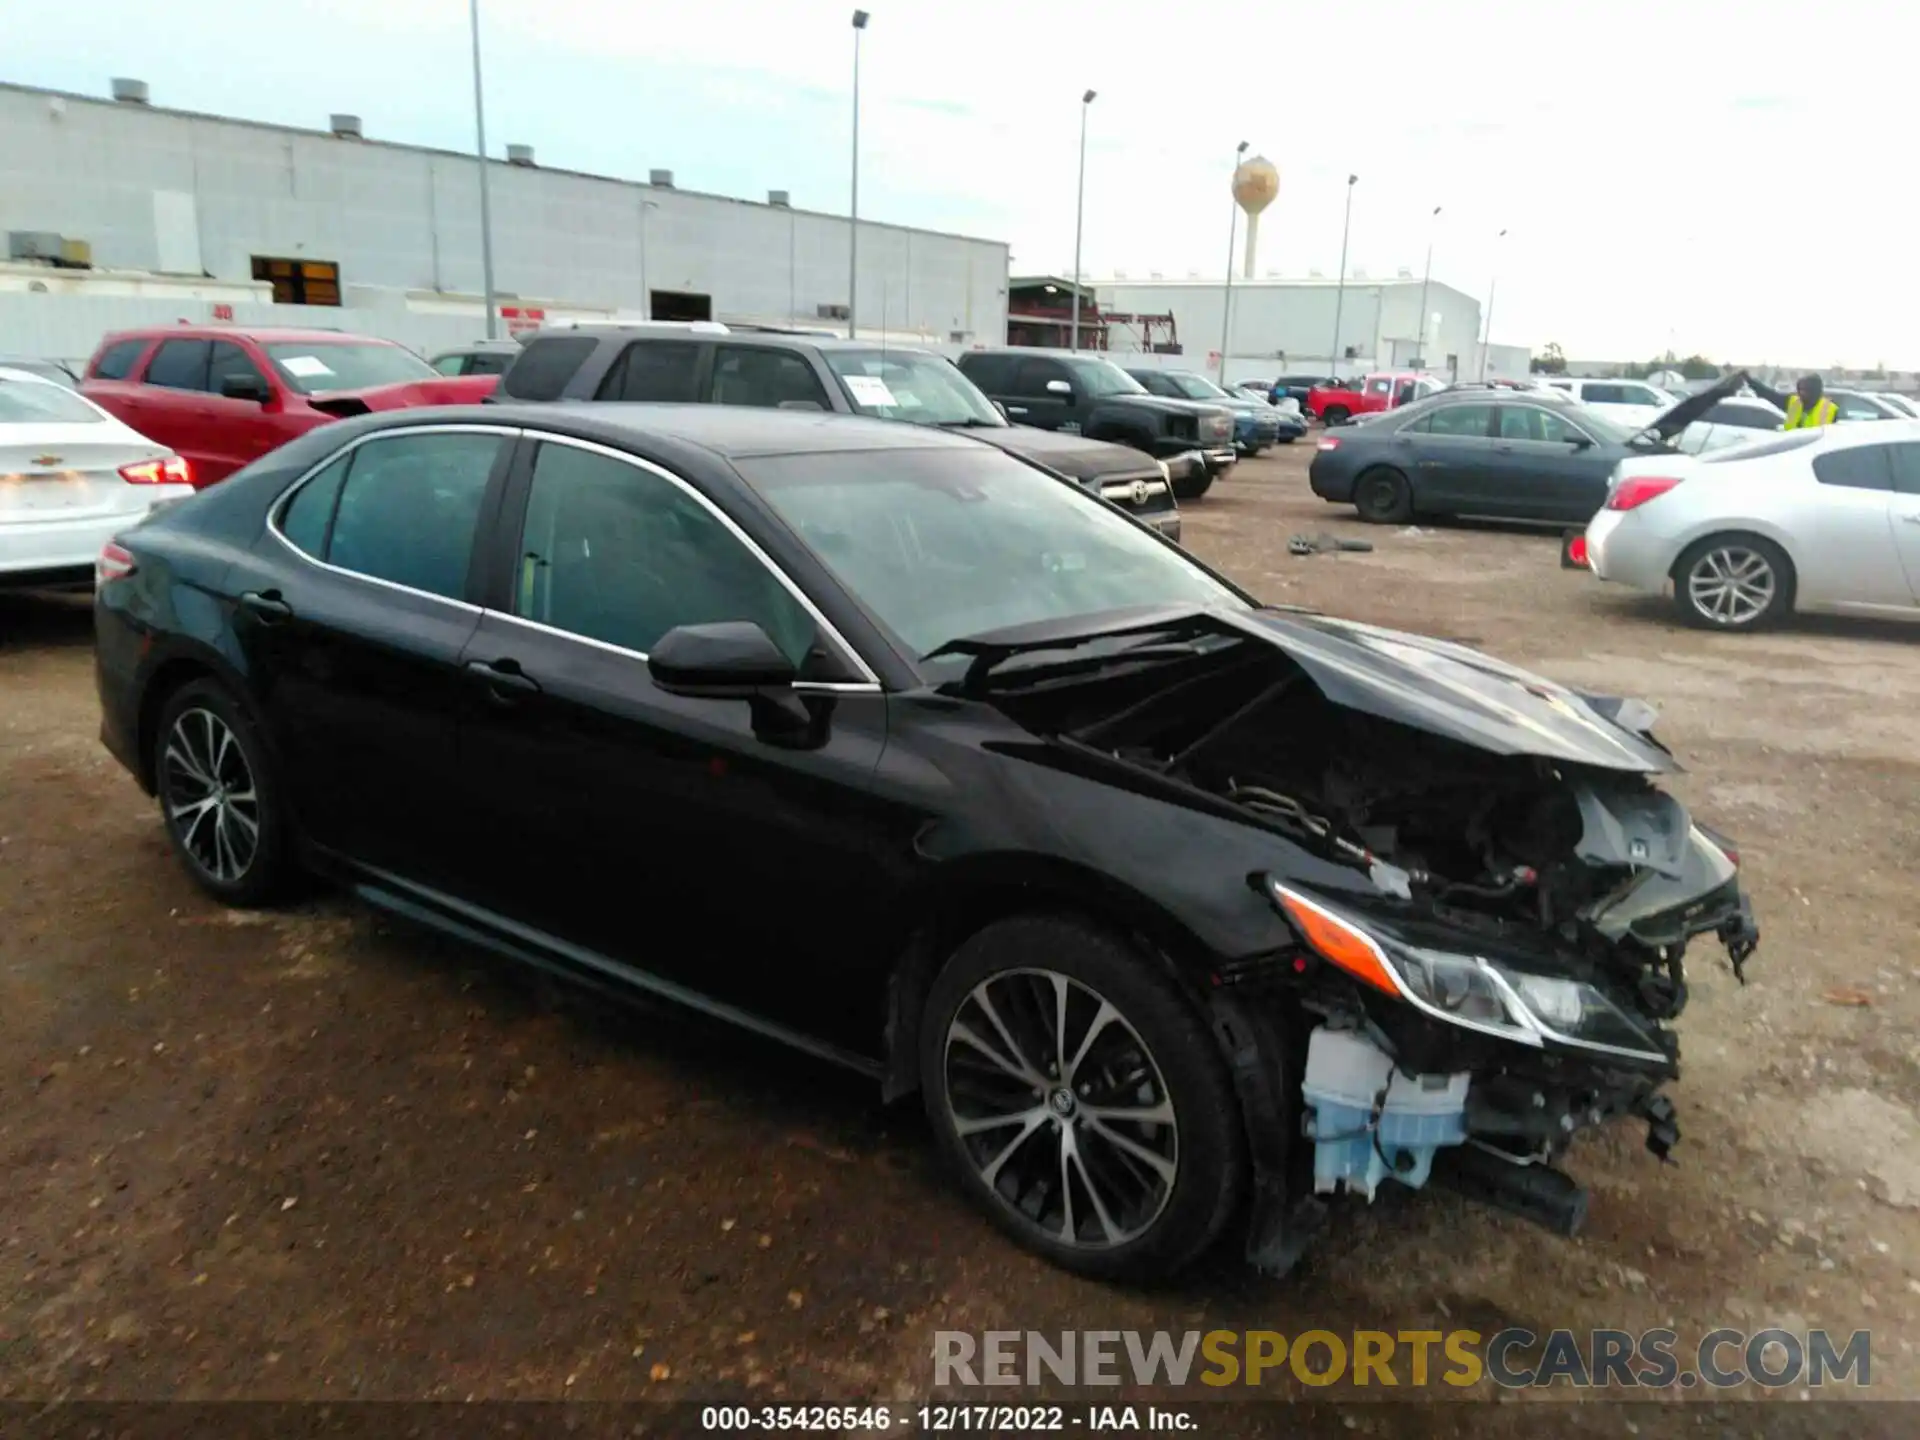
<point>1470,990</point>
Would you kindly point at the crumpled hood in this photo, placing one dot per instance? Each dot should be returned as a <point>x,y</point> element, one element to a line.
<point>1458,693</point>
<point>1072,455</point>
<point>442,390</point>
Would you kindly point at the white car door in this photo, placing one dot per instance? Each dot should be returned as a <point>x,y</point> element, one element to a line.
<point>1847,556</point>
<point>1905,510</point>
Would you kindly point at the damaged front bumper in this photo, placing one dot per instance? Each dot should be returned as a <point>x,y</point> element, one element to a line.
<point>1477,1079</point>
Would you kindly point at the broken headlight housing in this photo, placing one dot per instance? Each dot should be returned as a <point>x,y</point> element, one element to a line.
<point>1470,990</point>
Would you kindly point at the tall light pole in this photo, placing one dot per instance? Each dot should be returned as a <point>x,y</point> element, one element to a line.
<point>480,154</point>
<point>1340,293</point>
<point>1493,287</point>
<point>1433,226</point>
<point>1079,217</point>
<point>1226,309</point>
<point>860,18</point>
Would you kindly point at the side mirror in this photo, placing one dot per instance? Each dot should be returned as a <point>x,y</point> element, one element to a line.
<point>245,387</point>
<point>1060,387</point>
<point>730,659</point>
<point>1581,442</point>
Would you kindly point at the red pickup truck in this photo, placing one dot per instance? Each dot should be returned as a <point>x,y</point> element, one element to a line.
<point>223,397</point>
<point>1364,394</point>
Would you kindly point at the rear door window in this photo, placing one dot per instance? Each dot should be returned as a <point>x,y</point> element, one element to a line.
<point>543,367</point>
<point>764,378</point>
<point>116,362</point>
<point>1604,394</point>
<point>655,370</point>
<point>409,509</point>
<point>1906,467</point>
<point>180,365</point>
<point>1461,421</point>
<point>1858,467</point>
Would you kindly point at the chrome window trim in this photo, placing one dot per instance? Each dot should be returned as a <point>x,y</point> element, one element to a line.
<point>280,506</point>
<point>870,685</point>
<point>1547,410</point>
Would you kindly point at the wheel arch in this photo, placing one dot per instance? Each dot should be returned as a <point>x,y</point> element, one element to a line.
<point>167,678</point>
<point>966,896</point>
<point>1745,527</point>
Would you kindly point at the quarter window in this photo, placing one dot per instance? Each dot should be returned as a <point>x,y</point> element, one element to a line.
<point>767,379</point>
<point>116,362</point>
<point>654,370</point>
<point>1858,467</point>
<point>180,365</point>
<point>617,553</point>
<point>408,509</point>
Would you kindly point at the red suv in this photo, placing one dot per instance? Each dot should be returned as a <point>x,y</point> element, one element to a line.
<point>224,397</point>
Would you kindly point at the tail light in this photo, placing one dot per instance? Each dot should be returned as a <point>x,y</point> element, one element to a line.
<point>115,563</point>
<point>1330,442</point>
<point>171,471</point>
<point>1638,490</point>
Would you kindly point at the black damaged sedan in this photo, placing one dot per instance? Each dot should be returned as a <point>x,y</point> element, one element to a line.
<point>1179,911</point>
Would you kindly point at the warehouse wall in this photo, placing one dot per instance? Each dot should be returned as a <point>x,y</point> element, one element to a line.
<point>159,190</point>
<point>1380,320</point>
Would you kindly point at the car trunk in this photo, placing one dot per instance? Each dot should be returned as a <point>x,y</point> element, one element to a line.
<point>68,472</point>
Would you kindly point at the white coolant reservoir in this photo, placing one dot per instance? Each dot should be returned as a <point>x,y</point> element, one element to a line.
<point>1371,1122</point>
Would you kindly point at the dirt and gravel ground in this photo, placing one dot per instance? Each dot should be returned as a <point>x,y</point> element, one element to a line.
<point>315,1154</point>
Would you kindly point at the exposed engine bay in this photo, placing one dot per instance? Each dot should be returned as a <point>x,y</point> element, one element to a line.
<point>1505,975</point>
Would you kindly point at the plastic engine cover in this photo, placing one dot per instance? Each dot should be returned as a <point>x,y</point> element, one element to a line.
<point>1369,1121</point>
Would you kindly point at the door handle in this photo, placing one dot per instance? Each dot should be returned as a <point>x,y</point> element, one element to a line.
<point>267,606</point>
<point>1016,409</point>
<point>504,679</point>
<point>1503,449</point>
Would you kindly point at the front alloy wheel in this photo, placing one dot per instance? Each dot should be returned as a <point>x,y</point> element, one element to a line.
<point>1080,1094</point>
<point>1061,1108</point>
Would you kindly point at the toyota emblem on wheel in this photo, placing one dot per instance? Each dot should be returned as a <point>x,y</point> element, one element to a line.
<point>1139,492</point>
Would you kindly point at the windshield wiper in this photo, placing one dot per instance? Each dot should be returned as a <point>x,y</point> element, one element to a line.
<point>995,647</point>
<point>970,423</point>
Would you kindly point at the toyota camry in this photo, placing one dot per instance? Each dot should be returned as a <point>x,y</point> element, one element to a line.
<point>1179,911</point>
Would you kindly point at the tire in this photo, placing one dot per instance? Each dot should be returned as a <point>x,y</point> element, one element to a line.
<point>1733,582</point>
<point>1383,497</point>
<point>1336,415</point>
<point>1165,1190</point>
<point>219,797</point>
<point>1194,486</point>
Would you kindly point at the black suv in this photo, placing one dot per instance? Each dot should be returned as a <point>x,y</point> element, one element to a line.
<point>707,363</point>
<point>1086,394</point>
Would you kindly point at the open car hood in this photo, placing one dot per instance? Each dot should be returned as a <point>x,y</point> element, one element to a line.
<point>1670,423</point>
<point>1461,694</point>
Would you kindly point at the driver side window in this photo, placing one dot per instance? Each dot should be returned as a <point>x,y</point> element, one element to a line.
<point>620,554</point>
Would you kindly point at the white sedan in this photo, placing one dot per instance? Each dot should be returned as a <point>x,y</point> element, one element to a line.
<point>1808,520</point>
<point>71,476</point>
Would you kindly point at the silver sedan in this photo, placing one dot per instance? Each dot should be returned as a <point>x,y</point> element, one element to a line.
<point>1809,520</point>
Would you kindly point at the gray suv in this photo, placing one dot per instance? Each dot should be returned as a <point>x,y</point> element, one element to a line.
<point>707,363</point>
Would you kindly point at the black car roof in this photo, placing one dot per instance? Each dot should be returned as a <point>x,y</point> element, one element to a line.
<point>775,339</point>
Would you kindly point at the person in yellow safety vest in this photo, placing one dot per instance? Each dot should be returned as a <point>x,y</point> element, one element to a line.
<point>1806,406</point>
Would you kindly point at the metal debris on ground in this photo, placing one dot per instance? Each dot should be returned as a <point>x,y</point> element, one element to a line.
<point>1325,543</point>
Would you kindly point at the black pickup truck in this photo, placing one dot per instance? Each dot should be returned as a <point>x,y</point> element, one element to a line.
<point>1081,392</point>
<point>708,363</point>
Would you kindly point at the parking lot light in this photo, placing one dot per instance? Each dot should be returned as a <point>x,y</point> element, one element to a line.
<point>1079,216</point>
<point>1492,285</point>
<point>1226,309</point>
<point>1426,280</point>
<point>860,18</point>
<point>1340,286</point>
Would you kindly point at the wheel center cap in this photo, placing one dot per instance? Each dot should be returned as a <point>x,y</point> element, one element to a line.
<point>1062,1101</point>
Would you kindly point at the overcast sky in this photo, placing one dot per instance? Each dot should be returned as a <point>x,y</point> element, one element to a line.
<point>1669,173</point>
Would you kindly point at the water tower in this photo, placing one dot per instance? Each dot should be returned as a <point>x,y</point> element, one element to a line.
<point>1256,185</point>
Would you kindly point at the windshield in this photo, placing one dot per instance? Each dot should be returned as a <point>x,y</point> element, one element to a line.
<point>943,545</point>
<point>1197,387</point>
<point>30,402</point>
<point>315,366</point>
<point>1102,377</point>
<point>921,389</point>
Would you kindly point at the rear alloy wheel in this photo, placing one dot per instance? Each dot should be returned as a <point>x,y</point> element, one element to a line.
<point>1081,1099</point>
<point>1382,497</point>
<point>216,797</point>
<point>1733,582</point>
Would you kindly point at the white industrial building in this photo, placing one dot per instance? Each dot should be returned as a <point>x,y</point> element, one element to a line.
<point>1287,326</point>
<point>118,212</point>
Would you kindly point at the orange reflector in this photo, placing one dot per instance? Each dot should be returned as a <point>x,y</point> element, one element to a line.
<point>1333,939</point>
